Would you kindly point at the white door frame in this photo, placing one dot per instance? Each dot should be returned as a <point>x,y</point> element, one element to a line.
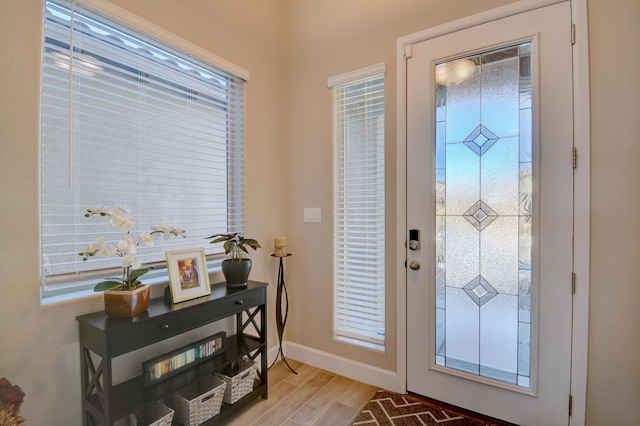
<point>582,186</point>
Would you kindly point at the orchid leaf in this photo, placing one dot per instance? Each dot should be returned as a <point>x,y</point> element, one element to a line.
<point>108,285</point>
<point>136,273</point>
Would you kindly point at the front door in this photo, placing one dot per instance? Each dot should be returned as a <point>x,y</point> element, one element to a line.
<point>490,213</point>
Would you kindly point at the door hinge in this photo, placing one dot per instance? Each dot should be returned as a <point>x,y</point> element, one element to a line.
<point>573,283</point>
<point>573,34</point>
<point>575,157</point>
<point>408,51</point>
<point>570,405</point>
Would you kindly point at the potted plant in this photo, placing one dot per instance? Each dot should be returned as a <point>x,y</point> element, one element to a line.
<point>125,296</point>
<point>11,398</point>
<point>236,269</point>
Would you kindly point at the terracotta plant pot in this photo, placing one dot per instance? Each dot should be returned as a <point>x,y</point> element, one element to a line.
<point>127,303</point>
<point>236,273</point>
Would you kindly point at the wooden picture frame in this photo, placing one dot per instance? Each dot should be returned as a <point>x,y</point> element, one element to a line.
<point>165,366</point>
<point>188,274</point>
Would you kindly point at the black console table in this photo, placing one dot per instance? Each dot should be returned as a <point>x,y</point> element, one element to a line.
<point>103,338</point>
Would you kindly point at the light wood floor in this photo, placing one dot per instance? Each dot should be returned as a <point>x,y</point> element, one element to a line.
<point>312,397</point>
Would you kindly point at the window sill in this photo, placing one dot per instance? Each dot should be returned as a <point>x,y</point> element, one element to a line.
<point>158,285</point>
<point>376,347</point>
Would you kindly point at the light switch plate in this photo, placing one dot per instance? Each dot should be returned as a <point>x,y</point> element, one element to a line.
<point>312,215</point>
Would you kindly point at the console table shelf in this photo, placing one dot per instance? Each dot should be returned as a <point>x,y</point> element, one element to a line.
<point>103,338</point>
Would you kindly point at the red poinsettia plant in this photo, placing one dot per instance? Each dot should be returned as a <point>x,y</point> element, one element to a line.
<point>11,398</point>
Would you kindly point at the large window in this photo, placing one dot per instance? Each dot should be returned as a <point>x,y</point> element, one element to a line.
<point>130,119</point>
<point>359,206</point>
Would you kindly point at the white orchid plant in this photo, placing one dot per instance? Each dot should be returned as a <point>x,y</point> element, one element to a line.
<point>127,248</point>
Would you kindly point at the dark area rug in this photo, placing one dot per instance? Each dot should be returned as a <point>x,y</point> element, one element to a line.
<point>390,408</point>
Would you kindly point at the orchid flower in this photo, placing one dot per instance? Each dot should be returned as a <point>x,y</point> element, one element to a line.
<point>120,217</point>
<point>168,231</point>
<point>147,239</point>
<point>127,248</point>
<point>131,261</point>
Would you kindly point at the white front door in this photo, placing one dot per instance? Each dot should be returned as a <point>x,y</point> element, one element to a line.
<point>490,203</point>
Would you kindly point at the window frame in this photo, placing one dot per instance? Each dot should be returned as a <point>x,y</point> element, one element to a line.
<point>63,287</point>
<point>368,338</point>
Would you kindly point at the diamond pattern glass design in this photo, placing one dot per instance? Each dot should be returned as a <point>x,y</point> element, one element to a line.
<point>480,140</point>
<point>480,291</point>
<point>483,206</point>
<point>480,215</point>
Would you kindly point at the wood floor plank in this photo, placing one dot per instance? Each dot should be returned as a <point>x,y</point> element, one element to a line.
<point>293,363</point>
<point>337,415</point>
<point>313,396</point>
<point>358,394</point>
<point>261,406</point>
<point>289,405</point>
<point>279,372</point>
<point>317,405</point>
<point>305,372</point>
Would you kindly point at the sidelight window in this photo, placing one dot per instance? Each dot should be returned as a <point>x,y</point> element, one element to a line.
<point>359,207</point>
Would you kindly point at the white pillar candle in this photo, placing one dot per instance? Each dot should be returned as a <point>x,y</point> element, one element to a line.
<point>280,244</point>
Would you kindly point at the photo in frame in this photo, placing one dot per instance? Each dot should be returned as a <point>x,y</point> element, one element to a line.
<point>188,275</point>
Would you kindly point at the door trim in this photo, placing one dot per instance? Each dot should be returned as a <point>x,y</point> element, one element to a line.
<point>582,173</point>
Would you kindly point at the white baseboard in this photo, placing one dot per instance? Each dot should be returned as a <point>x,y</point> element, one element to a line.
<point>354,370</point>
<point>272,353</point>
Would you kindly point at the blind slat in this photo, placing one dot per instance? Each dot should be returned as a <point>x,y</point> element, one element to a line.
<point>359,209</point>
<point>128,119</point>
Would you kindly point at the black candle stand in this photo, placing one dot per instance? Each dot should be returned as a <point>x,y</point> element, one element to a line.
<point>281,320</point>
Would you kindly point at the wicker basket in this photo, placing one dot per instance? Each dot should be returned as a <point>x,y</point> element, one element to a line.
<point>154,414</point>
<point>200,401</point>
<point>240,384</point>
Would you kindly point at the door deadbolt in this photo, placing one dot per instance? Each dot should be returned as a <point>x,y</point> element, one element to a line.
<point>414,265</point>
<point>414,239</point>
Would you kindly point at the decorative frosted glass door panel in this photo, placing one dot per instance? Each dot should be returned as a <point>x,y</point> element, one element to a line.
<point>483,213</point>
<point>490,192</point>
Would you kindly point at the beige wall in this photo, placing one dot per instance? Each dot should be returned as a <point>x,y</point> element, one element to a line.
<point>39,344</point>
<point>324,39</point>
<point>614,316</point>
<point>291,47</point>
<point>336,36</point>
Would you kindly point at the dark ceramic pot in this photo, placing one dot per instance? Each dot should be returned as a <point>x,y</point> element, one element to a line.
<point>236,273</point>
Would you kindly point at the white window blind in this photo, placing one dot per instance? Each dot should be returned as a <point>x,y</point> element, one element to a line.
<point>359,206</point>
<point>128,119</point>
